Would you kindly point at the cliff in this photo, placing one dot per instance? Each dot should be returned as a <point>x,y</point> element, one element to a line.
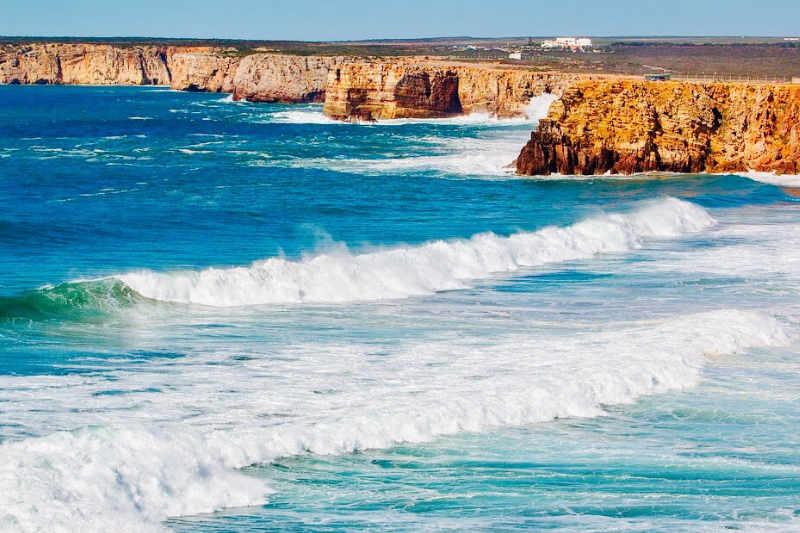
<point>281,78</point>
<point>626,126</point>
<point>259,77</point>
<point>83,64</point>
<point>201,69</point>
<point>422,88</point>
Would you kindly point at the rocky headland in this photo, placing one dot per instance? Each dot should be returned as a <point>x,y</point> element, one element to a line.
<point>256,77</point>
<point>626,127</point>
<point>600,123</point>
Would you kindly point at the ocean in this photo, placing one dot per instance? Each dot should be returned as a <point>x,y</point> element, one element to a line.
<point>222,316</point>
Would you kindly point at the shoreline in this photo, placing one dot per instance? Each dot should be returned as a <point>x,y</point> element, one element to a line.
<point>599,122</point>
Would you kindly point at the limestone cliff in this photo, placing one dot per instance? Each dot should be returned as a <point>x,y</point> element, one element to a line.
<point>259,77</point>
<point>201,69</point>
<point>627,126</point>
<point>282,78</point>
<point>83,64</point>
<point>399,88</point>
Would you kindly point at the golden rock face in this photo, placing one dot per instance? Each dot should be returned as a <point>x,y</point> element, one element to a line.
<point>429,88</point>
<point>259,77</point>
<point>626,126</point>
<point>83,64</point>
<point>600,124</point>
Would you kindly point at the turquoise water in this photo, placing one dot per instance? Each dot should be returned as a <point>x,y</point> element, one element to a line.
<point>220,316</point>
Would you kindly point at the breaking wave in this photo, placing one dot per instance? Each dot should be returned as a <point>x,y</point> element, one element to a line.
<point>77,300</point>
<point>131,477</point>
<point>781,180</point>
<point>340,276</point>
<point>404,271</point>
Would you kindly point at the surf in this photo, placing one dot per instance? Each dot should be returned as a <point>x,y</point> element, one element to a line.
<point>128,475</point>
<point>342,276</point>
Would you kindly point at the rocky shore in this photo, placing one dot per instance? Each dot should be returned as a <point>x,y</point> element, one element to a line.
<point>600,124</point>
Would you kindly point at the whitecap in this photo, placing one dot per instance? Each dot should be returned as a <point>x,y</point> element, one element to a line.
<point>403,271</point>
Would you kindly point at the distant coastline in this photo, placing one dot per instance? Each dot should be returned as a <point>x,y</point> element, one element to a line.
<point>690,126</point>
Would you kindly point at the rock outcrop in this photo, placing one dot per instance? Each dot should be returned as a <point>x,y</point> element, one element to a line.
<point>627,126</point>
<point>426,88</point>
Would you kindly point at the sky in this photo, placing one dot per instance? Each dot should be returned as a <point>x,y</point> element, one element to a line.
<point>319,20</point>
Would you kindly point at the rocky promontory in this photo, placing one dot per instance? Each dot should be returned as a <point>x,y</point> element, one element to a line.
<point>600,123</point>
<point>627,126</point>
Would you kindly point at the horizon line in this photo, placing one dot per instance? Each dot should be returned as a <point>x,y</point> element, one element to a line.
<point>392,39</point>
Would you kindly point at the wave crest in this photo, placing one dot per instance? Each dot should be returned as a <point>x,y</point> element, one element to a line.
<point>79,300</point>
<point>405,271</point>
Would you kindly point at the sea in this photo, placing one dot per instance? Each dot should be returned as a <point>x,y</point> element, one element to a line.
<point>220,316</point>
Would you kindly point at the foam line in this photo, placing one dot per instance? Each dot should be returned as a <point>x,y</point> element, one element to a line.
<point>130,476</point>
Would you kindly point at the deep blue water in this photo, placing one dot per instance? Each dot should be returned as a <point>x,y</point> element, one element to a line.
<point>220,316</point>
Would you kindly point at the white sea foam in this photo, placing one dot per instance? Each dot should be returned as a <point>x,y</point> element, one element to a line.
<point>767,252</point>
<point>403,271</point>
<point>490,155</point>
<point>485,157</point>
<point>163,454</point>
<point>302,117</point>
<point>140,118</point>
<point>782,180</point>
<point>534,111</point>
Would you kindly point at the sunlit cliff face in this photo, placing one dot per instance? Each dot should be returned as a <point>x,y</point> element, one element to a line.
<point>625,127</point>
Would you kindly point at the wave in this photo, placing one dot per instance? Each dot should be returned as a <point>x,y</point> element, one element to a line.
<point>475,157</point>
<point>131,477</point>
<point>488,156</point>
<point>782,180</point>
<point>340,276</point>
<point>302,117</point>
<point>76,300</point>
<point>404,271</point>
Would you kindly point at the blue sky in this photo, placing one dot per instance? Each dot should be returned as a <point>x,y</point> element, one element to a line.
<point>360,19</point>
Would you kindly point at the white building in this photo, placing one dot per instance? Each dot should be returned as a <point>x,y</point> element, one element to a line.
<point>572,43</point>
<point>515,55</point>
